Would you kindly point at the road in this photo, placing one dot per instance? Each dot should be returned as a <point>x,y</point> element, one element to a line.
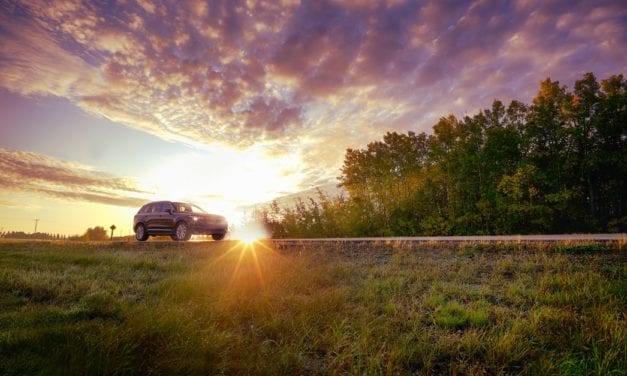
<point>621,237</point>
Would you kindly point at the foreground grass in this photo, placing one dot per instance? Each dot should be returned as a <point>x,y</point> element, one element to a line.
<point>206,308</point>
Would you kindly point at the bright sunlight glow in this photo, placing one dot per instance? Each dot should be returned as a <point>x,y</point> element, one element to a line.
<point>249,232</point>
<point>227,175</point>
<point>223,180</point>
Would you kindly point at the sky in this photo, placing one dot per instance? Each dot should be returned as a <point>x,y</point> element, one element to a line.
<point>107,105</point>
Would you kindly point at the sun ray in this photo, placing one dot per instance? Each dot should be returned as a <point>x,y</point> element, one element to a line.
<point>234,247</point>
<point>237,266</point>
<point>257,266</point>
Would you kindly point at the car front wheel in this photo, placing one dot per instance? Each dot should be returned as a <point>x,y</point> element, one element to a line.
<point>218,236</point>
<point>181,232</point>
<point>140,233</point>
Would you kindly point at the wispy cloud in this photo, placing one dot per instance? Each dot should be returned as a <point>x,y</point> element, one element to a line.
<point>20,205</point>
<point>22,171</point>
<point>310,77</point>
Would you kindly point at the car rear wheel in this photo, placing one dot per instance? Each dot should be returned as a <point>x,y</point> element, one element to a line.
<point>140,233</point>
<point>181,232</point>
<point>218,236</point>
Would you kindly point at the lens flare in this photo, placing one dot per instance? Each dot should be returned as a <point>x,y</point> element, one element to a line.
<point>249,238</point>
<point>250,232</point>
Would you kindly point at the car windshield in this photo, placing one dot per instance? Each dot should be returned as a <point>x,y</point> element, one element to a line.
<point>187,208</point>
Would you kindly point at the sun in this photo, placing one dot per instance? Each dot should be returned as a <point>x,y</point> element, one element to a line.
<point>249,233</point>
<point>249,238</point>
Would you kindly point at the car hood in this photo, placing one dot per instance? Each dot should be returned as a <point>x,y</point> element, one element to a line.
<point>209,216</point>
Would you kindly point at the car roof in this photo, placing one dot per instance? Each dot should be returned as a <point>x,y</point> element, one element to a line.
<point>155,202</point>
<point>169,202</point>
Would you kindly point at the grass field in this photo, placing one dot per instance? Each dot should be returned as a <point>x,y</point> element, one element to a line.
<point>223,308</point>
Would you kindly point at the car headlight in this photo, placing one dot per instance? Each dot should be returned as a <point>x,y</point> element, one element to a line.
<point>195,218</point>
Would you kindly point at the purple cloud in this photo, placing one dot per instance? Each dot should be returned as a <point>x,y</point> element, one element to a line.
<point>30,172</point>
<point>335,74</point>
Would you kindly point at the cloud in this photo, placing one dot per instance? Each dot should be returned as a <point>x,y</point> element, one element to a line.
<point>32,62</point>
<point>311,77</point>
<point>22,171</point>
<point>20,205</point>
<point>107,198</point>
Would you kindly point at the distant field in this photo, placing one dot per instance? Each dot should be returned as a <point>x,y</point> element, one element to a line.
<point>220,307</point>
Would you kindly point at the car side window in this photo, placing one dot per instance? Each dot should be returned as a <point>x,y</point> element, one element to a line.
<point>162,207</point>
<point>159,208</point>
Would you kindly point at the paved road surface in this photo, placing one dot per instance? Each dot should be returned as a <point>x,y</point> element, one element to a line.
<point>491,238</point>
<point>621,238</point>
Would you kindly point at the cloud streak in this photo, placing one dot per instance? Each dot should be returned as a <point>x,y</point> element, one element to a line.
<point>310,77</point>
<point>30,172</point>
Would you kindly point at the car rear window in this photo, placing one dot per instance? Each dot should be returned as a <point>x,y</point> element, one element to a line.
<point>145,209</point>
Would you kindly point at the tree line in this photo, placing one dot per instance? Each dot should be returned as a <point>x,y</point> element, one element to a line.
<point>96,233</point>
<point>557,165</point>
<point>34,235</point>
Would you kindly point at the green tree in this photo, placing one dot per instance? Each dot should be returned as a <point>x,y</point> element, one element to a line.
<point>557,165</point>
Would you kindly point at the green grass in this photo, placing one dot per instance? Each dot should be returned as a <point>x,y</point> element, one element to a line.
<point>220,308</point>
<point>453,315</point>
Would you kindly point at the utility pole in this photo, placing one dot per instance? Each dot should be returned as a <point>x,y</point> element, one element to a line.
<point>36,221</point>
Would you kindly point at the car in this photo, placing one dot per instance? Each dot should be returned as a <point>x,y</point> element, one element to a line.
<point>180,220</point>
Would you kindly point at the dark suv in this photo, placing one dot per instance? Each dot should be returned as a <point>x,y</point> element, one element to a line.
<point>179,220</point>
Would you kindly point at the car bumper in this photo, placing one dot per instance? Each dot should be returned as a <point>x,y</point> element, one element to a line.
<point>209,228</point>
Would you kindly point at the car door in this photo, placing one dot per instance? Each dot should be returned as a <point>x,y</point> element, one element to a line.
<point>162,217</point>
<point>152,218</point>
<point>143,214</point>
<point>167,216</point>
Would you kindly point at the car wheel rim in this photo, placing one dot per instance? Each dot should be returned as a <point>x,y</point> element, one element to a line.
<point>181,231</point>
<point>140,231</point>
